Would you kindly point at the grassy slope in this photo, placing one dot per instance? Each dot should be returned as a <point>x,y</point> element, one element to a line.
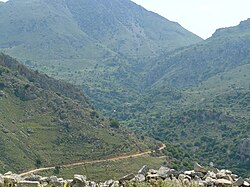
<point>38,123</point>
<point>109,170</point>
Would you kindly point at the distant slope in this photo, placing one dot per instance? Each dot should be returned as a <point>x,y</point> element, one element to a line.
<point>226,50</point>
<point>46,122</point>
<point>99,44</point>
<point>83,29</point>
<point>197,99</point>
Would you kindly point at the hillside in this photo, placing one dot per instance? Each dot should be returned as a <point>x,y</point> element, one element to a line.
<point>190,66</point>
<point>197,99</point>
<point>46,122</point>
<point>100,45</point>
<point>86,30</point>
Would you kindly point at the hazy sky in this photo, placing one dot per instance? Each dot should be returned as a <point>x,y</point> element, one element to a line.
<point>201,17</point>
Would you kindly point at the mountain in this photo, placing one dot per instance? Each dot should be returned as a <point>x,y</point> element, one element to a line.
<point>98,44</point>
<point>47,122</point>
<point>226,50</point>
<point>86,29</point>
<point>198,100</point>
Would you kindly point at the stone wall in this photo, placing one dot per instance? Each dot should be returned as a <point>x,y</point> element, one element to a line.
<point>199,176</point>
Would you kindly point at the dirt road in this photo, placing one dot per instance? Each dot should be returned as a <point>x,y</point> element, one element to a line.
<point>114,158</point>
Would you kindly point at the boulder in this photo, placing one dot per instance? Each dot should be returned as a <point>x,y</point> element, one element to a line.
<point>153,176</point>
<point>210,174</point>
<point>164,172</point>
<point>127,178</point>
<point>190,173</point>
<point>186,182</point>
<point>1,181</point>
<point>92,184</point>
<point>143,170</point>
<point>235,177</point>
<point>209,181</point>
<point>139,178</point>
<point>55,182</point>
<point>28,184</point>
<point>247,184</point>
<point>183,176</point>
<point>193,173</point>
<point>8,173</point>
<point>223,182</point>
<point>199,168</point>
<point>33,178</point>
<point>79,181</point>
<point>109,183</point>
<point>228,172</point>
<point>221,175</point>
<point>239,182</point>
<point>152,171</point>
<point>80,178</point>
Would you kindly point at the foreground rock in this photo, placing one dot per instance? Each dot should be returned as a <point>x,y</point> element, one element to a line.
<point>199,176</point>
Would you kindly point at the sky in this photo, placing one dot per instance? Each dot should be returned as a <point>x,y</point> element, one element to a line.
<point>201,17</point>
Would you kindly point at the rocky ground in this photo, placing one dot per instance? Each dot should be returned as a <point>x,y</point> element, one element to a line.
<point>199,176</point>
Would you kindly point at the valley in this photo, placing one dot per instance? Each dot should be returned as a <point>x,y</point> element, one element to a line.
<point>122,63</point>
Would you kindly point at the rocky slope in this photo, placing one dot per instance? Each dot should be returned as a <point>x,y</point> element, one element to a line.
<point>45,121</point>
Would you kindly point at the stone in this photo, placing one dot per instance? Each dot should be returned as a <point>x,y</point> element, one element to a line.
<point>183,176</point>
<point>152,171</point>
<point>223,182</point>
<point>8,173</point>
<point>92,184</point>
<point>210,174</point>
<point>238,182</point>
<point>33,178</point>
<point>152,176</point>
<point>247,184</point>
<point>199,168</point>
<point>28,184</point>
<point>186,182</point>
<point>235,177</point>
<point>202,183</point>
<point>221,175</point>
<point>52,179</point>
<point>1,181</point>
<point>79,181</point>
<point>209,181</point>
<point>139,178</point>
<point>164,172</point>
<point>127,178</point>
<point>80,178</point>
<point>190,173</point>
<point>143,170</point>
<point>226,171</point>
<point>109,182</point>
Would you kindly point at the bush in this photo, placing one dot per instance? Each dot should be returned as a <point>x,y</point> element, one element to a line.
<point>114,124</point>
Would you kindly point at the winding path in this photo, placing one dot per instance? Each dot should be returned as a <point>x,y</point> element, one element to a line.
<point>114,158</point>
